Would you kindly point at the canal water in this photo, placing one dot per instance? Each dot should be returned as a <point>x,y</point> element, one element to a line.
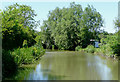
<point>71,65</point>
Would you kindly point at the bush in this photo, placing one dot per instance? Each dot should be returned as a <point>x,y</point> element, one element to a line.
<point>110,45</point>
<point>27,55</point>
<point>12,59</point>
<point>116,49</point>
<point>78,48</point>
<point>90,48</point>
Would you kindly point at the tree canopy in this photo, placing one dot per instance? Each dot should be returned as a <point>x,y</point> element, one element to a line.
<point>69,27</point>
<point>18,25</point>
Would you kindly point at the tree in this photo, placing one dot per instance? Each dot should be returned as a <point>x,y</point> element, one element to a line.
<point>117,23</point>
<point>71,27</point>
<point>18,24</point>
<point>117,26</point>
<point>46,36</point>
<point>117,45</point>
<point>92,21</point>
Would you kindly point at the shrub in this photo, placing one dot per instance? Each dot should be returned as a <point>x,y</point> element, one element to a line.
<point>90,48</point>
<point>110,45</point>
<point>12,59</point>
<point>78,48</point>
<point>116,49</point>
<point>27,55</point>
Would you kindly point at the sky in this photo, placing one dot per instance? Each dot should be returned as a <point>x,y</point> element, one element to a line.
<point>108,9</point>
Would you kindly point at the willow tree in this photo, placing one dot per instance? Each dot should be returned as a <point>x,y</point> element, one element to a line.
<point>72,26</point>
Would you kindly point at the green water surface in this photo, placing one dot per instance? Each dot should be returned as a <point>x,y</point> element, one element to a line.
<point>71,65</point>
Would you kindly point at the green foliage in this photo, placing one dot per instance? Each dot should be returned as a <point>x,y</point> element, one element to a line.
<point>116,47</point>
<point>12,59</point>
<point>25,44</point>
<point>0,24</point>
<point>52,47</point>
<point>9,66</point>
<point>17,24</point>
<point>69,27</point>
<point>78,48</point>
<point>27,55</point>
<point>90,49</point>
<point>110,45</point>
<point>46,37</point>
<point>38,39</point>
<point>106,50</point>
<point>117,23</point>
<point>18,31</point>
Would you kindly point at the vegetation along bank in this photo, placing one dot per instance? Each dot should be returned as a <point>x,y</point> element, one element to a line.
<point>73,28</point>
<point>20,42</point>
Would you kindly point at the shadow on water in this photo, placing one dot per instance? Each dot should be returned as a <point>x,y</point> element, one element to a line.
<point>9,67</point>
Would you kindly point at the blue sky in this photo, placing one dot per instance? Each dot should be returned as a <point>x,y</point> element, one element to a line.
<point>108,10</point>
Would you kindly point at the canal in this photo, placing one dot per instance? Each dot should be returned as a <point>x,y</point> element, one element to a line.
<point>71,65</point>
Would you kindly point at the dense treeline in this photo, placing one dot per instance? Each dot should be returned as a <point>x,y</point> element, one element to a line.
<point>108,46</point>
<point>17,25</point>
<point>69,27</point>
<point>72,28</point>
<point>20,42</point>
<point>109,43</point>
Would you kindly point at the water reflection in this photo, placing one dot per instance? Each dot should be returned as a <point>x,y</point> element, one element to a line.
<point>74,66</point>
<point>71,65</point>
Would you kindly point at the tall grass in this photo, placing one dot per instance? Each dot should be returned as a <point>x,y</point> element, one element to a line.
<point>27,55</point>
<point>90,49</point>
<point>19,56</point>
<point>78,48</point>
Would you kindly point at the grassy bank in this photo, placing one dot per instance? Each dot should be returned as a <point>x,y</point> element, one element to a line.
<point>105,50</point>
<point>12,60</point>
